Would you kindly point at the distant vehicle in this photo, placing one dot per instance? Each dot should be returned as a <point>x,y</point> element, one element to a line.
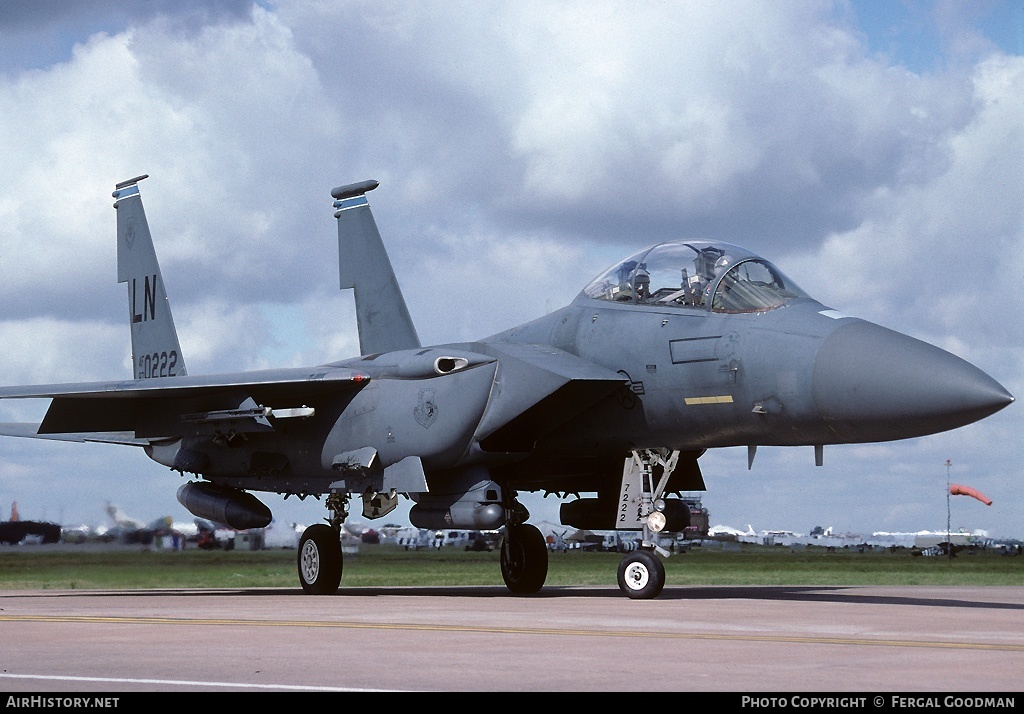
<point>479,544</point>
<point>482,541</point>
<point>213,536</point>
<point>370,536</point>
<point>413,538</point>
<point>451,537</point>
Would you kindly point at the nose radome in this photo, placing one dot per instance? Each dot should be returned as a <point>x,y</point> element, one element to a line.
<point>874,384</point>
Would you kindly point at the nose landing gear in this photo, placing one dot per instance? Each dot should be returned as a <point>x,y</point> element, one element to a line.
<point>641,574</point>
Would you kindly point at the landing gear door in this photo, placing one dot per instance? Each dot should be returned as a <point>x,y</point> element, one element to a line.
<point>629,516</point>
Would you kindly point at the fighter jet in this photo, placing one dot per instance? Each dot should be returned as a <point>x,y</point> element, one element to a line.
<point>608,402</point>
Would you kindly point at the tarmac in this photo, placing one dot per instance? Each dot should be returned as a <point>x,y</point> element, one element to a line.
<point>876,641</point>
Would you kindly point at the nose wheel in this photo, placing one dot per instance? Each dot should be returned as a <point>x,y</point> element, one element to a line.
<point>641,575</point>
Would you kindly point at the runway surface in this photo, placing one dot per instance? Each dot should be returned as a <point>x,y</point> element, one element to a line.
<point>714,639</point>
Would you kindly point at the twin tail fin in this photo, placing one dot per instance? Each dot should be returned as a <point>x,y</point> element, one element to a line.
<point>381,313</point>
<point>155,348</point>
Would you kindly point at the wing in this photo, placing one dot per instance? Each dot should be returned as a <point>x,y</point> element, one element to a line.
<point>139,411</point>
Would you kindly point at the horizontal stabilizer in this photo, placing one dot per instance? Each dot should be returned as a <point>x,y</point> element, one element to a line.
<point>31,430</point>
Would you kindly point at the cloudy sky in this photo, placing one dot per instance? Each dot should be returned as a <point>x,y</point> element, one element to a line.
<point>873,150</point>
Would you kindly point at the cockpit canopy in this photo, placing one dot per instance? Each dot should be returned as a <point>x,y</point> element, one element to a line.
<point>696,275</point>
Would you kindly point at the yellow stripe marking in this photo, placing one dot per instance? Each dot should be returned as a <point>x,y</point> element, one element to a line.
<point>694,401</point>
<point>87,619</point>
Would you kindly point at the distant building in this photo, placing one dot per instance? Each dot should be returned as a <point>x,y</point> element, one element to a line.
<point>699,521</point>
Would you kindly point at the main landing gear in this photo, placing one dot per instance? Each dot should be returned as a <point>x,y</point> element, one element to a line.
<point>320,558</point>
<point>524,554</point>
<point>524,559</point>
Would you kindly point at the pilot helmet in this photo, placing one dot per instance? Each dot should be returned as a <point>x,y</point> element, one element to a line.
<point>642,277</point>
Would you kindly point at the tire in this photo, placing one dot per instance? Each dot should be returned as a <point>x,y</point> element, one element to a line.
<point>524,559</point>
<point>320,561</point>
<point>641,575</point>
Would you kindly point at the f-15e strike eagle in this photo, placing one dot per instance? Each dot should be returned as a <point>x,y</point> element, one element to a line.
<point>683,346</point>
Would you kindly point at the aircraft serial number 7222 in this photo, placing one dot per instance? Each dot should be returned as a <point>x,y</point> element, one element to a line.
<point>682,347</point>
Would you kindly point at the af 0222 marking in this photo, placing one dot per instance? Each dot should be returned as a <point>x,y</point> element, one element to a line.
<point>158,364</point>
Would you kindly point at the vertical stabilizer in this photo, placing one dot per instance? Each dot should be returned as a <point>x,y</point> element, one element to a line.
<point>381,314</point>
<point>155,349</point>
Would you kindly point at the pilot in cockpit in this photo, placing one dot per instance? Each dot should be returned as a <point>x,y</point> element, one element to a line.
<point>688,292</point>
<point>634,282</point>
<point>721,264</point>
<point>642,283</point>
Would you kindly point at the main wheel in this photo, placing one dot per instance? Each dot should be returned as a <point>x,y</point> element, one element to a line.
<point>320,560</point>
<point>524,559</point>
<point>641,575</point>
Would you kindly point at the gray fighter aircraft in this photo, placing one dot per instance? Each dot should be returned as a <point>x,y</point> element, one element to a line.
<point>610,401</point>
